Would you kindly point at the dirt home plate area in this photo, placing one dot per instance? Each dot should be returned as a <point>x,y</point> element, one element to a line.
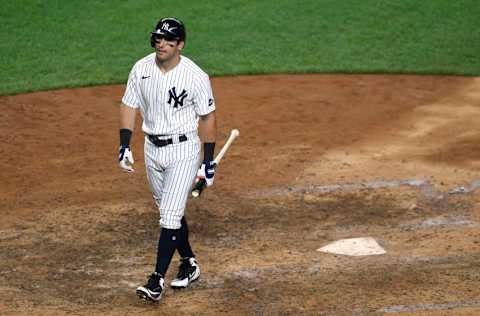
<point>322,160</point>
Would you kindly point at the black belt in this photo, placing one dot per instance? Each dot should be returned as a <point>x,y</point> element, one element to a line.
<point>162,142</point>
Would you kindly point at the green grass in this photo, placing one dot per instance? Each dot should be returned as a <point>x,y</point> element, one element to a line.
<point>56,44</point>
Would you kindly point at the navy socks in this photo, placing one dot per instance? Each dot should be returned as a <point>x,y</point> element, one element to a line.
<point>171,239</point>
<point>167,244</point>
<point>183,245</point>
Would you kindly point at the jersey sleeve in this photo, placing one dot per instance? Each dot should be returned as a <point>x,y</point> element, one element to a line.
<point>204,100</point>
<point>131,97</point>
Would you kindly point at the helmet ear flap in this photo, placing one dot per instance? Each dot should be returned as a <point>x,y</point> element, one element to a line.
<point>152,40</point>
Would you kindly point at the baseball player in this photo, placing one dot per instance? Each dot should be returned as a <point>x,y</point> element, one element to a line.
<point>175,99</point>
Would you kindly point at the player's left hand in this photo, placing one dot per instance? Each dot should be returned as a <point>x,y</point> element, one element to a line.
<point>125,158</point>
<point>207,172</point>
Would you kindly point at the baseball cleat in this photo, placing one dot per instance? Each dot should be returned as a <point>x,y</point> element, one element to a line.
<point>188,272</point>
<point>152,291</point>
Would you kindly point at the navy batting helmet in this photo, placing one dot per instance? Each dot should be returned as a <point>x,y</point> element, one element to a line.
<point>169,28</point>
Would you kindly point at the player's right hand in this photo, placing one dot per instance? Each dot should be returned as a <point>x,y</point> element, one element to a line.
<point>125,158</point>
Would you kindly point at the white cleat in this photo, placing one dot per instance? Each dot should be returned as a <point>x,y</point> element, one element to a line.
<point>188,272</point>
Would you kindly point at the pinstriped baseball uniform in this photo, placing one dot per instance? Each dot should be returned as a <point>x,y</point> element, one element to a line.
<point>170,104</point>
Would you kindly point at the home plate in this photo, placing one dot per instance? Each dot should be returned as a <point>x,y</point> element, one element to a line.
<point>364,246</point>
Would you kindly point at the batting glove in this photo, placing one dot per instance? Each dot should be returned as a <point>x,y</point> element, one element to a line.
<point>207,172</point>
<point>125,158</point>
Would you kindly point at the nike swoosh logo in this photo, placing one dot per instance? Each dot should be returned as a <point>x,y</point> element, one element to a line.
<point>145,77</point>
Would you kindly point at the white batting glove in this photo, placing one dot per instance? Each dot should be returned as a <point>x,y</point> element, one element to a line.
<point>125,158</point>
<point>206,172</point>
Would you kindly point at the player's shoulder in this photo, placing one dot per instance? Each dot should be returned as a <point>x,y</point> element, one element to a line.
<point>145,61</point>
<point>193,69</point>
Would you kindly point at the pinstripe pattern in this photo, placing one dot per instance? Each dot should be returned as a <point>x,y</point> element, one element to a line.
<point>171,170</point>
<point>150,95</point>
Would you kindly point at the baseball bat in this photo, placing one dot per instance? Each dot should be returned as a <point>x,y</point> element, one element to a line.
<point>200,185</point>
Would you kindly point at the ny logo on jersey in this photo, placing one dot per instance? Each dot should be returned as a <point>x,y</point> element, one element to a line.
<point>178,99</point>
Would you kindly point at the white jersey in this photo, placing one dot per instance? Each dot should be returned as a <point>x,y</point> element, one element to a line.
<point>170,102</point>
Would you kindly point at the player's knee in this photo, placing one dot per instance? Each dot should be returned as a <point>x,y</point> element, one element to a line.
<point>170,221</point>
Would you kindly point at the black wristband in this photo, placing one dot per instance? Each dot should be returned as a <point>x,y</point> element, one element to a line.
<point>208,150</point>
<point>125,136</point>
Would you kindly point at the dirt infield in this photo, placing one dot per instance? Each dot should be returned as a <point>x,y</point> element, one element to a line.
<point>320,158</point>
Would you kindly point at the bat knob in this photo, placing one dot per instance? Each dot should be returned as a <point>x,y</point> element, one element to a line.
<point>199,186</point>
